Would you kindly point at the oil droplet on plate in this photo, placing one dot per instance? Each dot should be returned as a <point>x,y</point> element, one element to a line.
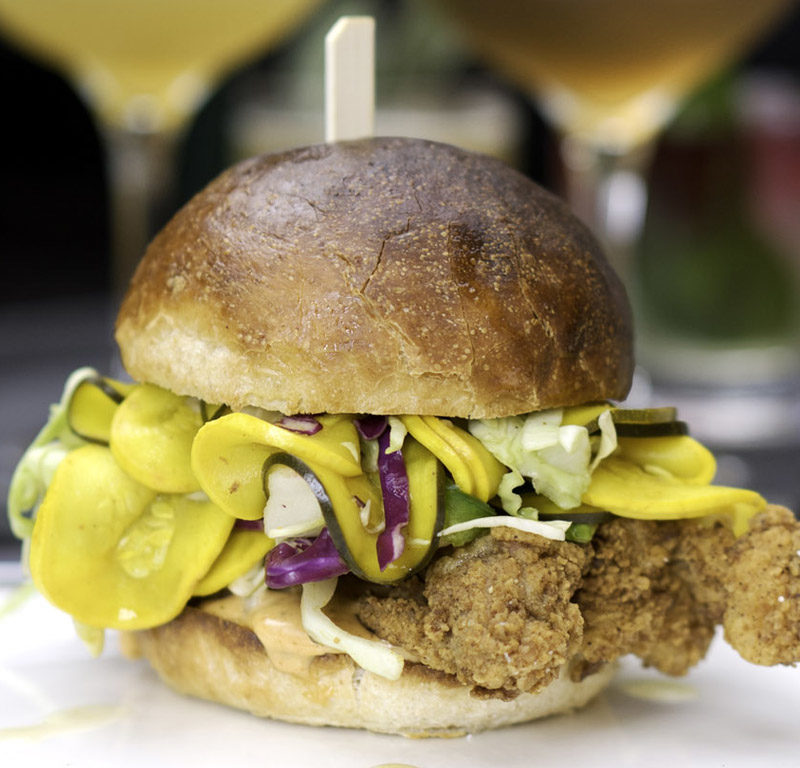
<point>665,691</point>
<point>65,721</point>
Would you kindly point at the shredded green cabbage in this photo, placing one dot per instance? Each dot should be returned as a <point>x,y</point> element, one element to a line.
<point>397,434</point>
<point>608,438</point>
<point>556,458</point>
<point>35,470</point>
<point>249,583</point>
<point>372,655</point>
<point>552,529</point>
<point>369,455</point>
<point>509,500</point>
<point>292,509</point>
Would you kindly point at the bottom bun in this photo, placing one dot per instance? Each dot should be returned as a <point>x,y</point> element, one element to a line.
<point>203,655</point>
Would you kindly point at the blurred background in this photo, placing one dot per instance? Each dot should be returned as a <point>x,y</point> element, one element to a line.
<point>711,252</point>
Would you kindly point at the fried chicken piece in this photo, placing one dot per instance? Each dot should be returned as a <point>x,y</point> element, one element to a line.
<point>497,613</point>
<point>505,613</point>
<point>762,616</point>
<point>658,589</point>
<point>635,599</point>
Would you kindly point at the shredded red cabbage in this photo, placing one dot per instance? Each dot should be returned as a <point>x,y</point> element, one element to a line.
<point>302,560</point>
<point>305,425</point>
<point>396,501</point>
<point>371,427</point>
<point>394,488</point>
<point>249,525</point>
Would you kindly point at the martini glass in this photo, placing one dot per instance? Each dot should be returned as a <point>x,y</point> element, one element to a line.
<point>610,75</point>
<point>145,67</point>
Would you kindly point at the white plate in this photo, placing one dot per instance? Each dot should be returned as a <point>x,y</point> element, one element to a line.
<point>59,707</point>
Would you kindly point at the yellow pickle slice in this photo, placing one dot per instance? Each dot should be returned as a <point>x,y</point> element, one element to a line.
<point>627,490</point>
<point>358,545</point>
<point>93,405</point>
<point>628,422</point>
<point>243,550</point>
<point>151,438</point>
<point>679,456</point>
<point>474,470</point>
<point>660,478</point>
<point>351,504</point>
<point>228,456</point>
<point>112,552</point>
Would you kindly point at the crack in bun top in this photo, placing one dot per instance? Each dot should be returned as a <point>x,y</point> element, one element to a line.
<point>382,275</point>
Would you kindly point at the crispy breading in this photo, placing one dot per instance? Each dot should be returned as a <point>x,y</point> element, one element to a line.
<point>505,613</point>
<point>658,590</point>
<point>762,616</point>
<point>497,614</point>
<point>635,597</point>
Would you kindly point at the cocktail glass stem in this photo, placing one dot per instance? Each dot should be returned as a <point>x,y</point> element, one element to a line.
<point>607,189</point>
<point>142,170</point>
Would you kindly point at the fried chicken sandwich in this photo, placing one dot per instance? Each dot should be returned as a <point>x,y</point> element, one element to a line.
<point>372,472</point>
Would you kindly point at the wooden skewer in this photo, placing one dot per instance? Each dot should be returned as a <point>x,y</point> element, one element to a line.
<point>350,79</point>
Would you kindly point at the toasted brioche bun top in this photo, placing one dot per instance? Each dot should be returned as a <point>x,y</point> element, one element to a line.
<point>378,276</point>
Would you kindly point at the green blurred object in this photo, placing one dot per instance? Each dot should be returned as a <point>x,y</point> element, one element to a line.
<point>717,289</point>
<point>715,278</point>
<point>706,270</point>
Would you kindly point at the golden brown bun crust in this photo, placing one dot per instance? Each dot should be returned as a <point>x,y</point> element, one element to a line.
<point>379,276</point>
<point>202,655</point>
